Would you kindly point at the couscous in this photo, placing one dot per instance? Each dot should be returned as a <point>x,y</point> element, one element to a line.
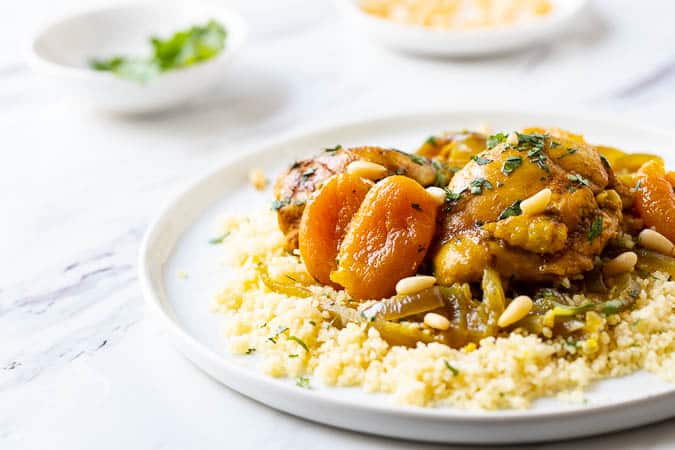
<point>553,271</point>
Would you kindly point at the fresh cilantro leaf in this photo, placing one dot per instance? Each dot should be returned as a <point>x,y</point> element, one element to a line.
<point>511,163</point>
<point>302,382</point>
<point>581,181</point>
<point>219,239</point>
<point>480,160</point>
<point>418,160</point>
<point>431,140</point>
<point>476,186</point>
<point>278,204</point>
<point>334,149</point>
<point>596,228</point>
<point>452,369</point>
<point>496,139</point>
<point>510,211</point>
<point>185,48</point>
<point>299,341</point>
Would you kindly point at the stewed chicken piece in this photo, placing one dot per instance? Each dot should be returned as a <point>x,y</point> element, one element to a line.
<point>293,188</point>
<point>537,205</point>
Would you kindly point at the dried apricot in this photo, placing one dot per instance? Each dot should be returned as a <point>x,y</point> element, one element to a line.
<point>387,238</point>
<point>324,222</point>
<point>655,200</point>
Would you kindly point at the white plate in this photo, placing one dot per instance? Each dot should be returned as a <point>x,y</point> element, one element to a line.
<point>471,42</point>
<point>177,241</point>
<point>62,50</point>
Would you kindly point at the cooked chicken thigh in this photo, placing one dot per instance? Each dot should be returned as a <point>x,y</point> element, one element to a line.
<point>294,187</point>
<point>485,226</point>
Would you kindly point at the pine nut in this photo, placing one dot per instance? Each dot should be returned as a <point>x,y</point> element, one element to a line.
<point>623,263</point>
<point>366,169</point>
<point>412,285</point>
<point>654,240</point>
<point>512,139</point>
<point>437,193</point>
<point>436,321</point>
<point>516,310</point>
<point>257,179</point>
<point>537,203</point>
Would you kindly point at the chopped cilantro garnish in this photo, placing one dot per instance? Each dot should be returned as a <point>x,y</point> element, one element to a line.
<point>302,382</point>
<point>480,160</point>
<point>496,139</point>
<point>334,149</point>
<point>511,164</point>
<point>513,210</point>
<point>452,196</point>
<point>570,151</point>
<point>278,204</point>
<point>219,239</point>
<point>452,369</point>
<point>596,228</point>
<point>183,49</point>
<point>441,168</point>
<point>308,173</point>
<point>431,140</point>
<point>581,181</point>
<point>293,355</point>
<point>299,341</point>
<point>476,186</point>
<point>250,350</point>
<point>418,160</point>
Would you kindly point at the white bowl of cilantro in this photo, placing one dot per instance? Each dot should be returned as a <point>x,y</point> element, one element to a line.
<point>139,58</point>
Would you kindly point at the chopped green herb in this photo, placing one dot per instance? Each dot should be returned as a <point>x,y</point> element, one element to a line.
<point>312,323</point>
<point>596,228</point>
<point>219,239</point>
<point>418,160</point>
<point>293,355</point>
<point>278,204</point>
<point>416,206</point>
<point>581,181</point>
<point>441,179</point>
<point>496,139</point>
<point>185,48</point>
<point>308,173</point>
<point>555,144</point>
<point>480,160</point>
<point>612,307</point>
<point>511,163</point>
<point>431,140</point>
<point>334,149</point>
<point>476,186</point>
<point>302,382</point>
<point>570,151</point>
<point>452,196</point>
<point>299,341</point>
<point>250,350</point>
<point>452,369</point>
<point>400,171</point>
<point>513,210</point>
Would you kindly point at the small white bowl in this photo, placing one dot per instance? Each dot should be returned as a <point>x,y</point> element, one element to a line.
<point>64,48</point>
<point>462,43</point>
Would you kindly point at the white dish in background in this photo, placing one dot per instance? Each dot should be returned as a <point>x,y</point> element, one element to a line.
<point>62,50</point>
<point>177,241</point>
<point>458,43</point>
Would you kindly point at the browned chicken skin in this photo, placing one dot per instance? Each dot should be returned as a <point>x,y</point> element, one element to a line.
<point>483,228</point>
<point>293,188</point>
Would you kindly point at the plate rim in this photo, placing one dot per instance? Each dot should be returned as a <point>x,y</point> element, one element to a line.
<point>156,303</point>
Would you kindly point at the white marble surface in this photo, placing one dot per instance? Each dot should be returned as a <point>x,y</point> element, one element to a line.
<point>81,366</point>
